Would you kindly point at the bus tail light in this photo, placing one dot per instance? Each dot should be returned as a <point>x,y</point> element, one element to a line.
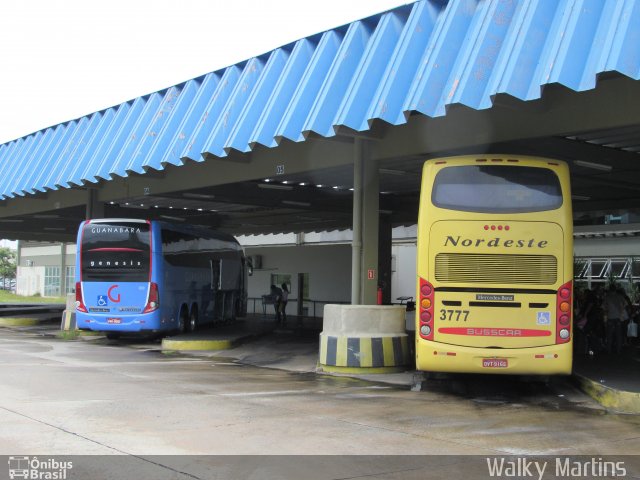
<point>80,307</point>
<point>563,313</point>
<point>425,310</point>
<point>154,298</point>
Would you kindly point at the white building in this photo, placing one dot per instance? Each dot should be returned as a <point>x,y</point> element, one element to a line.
<point>322,263</point>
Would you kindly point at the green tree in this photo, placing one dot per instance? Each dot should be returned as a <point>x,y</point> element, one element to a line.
<point>7,263</point>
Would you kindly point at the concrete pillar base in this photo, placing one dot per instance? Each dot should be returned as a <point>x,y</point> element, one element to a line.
<point>364,339</point>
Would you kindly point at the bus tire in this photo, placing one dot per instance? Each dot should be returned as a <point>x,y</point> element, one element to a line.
<point>183,320</point>
<point>193,319</point>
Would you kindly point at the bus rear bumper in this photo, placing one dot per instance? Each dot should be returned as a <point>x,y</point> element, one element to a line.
<point>134,323</point>
<point>548,360</point>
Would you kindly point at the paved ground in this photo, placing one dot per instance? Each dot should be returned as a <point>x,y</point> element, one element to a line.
<point>98,397</point>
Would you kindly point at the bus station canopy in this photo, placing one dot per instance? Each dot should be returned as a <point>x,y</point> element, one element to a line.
<point>266,145</point>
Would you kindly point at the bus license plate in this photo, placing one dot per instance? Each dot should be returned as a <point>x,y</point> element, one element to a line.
<point>495,363</point>
<point>114,320</point>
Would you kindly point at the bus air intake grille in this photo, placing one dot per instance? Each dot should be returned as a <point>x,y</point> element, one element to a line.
<point>491,268</point>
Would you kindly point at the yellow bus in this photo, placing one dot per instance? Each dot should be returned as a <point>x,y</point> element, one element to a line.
<point>495,266</point>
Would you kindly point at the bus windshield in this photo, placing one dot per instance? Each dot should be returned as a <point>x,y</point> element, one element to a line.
<point>497,189</point>
<point>116,251</point>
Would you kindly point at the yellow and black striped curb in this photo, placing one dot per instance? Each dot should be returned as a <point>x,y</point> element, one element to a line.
<point>613,399</point>
<point>339,353</point>
<point>18,322</point>
<point>175,344</point>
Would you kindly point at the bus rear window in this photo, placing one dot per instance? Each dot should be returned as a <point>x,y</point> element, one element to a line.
<point>116,252</point>
<point>497,189</point>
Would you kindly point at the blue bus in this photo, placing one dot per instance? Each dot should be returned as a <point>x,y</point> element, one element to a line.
<point>150,276</point>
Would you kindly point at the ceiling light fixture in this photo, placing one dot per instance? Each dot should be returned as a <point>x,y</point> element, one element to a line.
<point>199,196</point>
<point>275,187</point>
<point>580,197</point>
<point>594,166</point>
<point>168,217</point>
<point>296,203</point>
<point>390,171</point>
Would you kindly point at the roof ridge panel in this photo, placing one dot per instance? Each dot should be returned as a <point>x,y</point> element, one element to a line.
<point>292,122</point>
<point>66,131</point>
<point>50,136</point>
<point>240,135</point>
<point>65,173</point>
<point>68,148</point>
<point>161,116</point>
<point>241,94</point>
<point>364,84</point>
<point>161,142</point>
<point>106,117</point>
<point>205,92</point>
<point>623,57</point>
<point>325,107</point>
<point>488,57</point>
<point>396,81</point>
<point>566,63</point>
<point>115,142</point>
<point>283,93</point>
<point>429,86</point>
<point>521,74</point>
<point>7,187</point>
<point>122,163</point>
<point>193,148</point>
<point>23,160</point>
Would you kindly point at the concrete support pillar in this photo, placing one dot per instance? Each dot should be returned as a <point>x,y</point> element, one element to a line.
<point>95,208</point>
<point>356,242</point>
<point>63,268</point>
<point>384,258</point>
<point>370,229</point>
<point>364,266</point>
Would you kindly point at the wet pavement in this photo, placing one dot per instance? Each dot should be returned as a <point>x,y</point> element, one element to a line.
<point>612,380</point>
<point>102,397</point>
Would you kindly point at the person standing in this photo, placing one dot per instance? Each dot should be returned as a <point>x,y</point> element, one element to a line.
<point>614,305</point>
<point>284,298</point>
<point>276,297</point>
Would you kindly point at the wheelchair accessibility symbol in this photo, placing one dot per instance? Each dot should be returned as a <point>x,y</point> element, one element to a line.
<point>544,318</point>
<point>102,301</point>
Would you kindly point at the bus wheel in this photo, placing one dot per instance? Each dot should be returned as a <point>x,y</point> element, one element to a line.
<point>183,322</point>
<point>193,319</point>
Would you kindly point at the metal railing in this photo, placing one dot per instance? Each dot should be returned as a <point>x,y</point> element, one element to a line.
<point>310,308</point>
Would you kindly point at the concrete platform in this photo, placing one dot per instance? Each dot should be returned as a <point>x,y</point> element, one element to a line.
<point>612,380</point>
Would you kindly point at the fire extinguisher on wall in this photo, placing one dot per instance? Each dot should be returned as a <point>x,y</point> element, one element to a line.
<point>379,299</point>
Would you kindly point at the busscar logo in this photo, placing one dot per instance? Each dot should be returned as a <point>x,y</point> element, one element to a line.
<point>33,468</point>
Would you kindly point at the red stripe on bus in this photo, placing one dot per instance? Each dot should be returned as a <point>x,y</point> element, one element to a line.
<point>115,250</point>
<point>494,332</point>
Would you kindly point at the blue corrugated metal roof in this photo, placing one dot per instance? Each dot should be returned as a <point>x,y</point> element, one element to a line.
<point>422,58</point>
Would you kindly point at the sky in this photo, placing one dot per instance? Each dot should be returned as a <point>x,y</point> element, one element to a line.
<point>64,59</point>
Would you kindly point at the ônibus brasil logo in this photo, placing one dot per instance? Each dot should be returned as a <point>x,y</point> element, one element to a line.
<point>33,468</point>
